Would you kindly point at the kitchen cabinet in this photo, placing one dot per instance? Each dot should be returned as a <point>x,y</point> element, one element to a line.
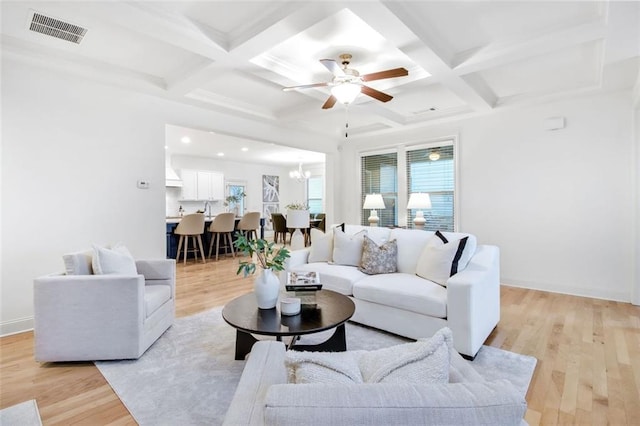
<point>210,186</point>
<point>199,185</point>
<point>189,184</point>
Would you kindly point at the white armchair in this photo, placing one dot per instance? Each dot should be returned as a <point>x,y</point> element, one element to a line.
<point>101,317</point>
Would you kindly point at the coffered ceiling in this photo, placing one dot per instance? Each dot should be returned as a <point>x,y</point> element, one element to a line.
<point>463,58</point>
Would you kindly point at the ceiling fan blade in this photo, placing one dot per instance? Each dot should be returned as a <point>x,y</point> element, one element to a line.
<point>396,72</point>
<point>305,86</point>
<point>333,67</point>
<point>376,94</point>
<point>330,102</point>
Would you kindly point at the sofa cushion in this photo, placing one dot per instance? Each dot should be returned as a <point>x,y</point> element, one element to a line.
<point>469,248</point>
<point>321,249</point>
<point>338,278</point>
<point>154,297</point>
<point>421,362</point>
<point>78,263</point>
<point>410,245</point>
<point>403,291</point>
<point>378,259</point>
<point>347,249</point>
<point>439,260</point>
<point>378,234</point>
<point>116,260</point>
<point>322,367</point>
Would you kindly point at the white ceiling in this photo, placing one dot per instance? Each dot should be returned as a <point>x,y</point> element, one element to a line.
<point>463,58</point>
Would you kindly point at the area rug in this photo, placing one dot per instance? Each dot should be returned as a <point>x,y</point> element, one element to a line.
<point>23,414</point>
<point>189,375</point>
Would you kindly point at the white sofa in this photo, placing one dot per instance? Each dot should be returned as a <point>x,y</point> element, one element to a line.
<point>88,317</point>
<point>263,397</point>
<point>409,305</point>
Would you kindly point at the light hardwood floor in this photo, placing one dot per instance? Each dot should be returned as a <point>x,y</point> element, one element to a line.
<point>588,353</point>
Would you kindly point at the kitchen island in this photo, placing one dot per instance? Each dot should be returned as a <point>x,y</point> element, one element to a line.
<point>172,238</point>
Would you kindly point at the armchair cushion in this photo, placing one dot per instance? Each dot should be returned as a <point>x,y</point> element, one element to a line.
<point>421,362</point>
<point>116,260</point>
<point>323,367</point>
<point>78,263</point>
<point>154,297</point>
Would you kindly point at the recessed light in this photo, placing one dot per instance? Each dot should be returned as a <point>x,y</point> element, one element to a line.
<point>166,147</point>
<point>185,139</point>
<point>221,154</point>
<point>245,149</point>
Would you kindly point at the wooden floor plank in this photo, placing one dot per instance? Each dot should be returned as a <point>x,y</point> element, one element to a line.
<point>588,353</point>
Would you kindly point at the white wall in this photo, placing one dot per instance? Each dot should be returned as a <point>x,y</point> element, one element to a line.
<point>636,293</point>
<point>72,151</point>
<point>559,204</point>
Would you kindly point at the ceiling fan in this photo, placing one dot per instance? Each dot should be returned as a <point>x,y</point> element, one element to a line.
<point>347,82</point>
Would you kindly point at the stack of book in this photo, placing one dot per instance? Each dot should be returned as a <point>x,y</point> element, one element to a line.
<point>304,285</point>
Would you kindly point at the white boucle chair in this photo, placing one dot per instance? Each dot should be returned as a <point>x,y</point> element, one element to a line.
<point>102,317</point>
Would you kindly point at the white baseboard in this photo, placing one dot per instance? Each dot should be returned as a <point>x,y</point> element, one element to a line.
<point>616,296</point>
<point>16,326</point>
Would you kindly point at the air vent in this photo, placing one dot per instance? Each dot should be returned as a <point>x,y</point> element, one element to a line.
<point>56,28</point>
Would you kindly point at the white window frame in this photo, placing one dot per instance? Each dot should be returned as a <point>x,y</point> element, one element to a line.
<point>446,141</point>
<point>403,196</point>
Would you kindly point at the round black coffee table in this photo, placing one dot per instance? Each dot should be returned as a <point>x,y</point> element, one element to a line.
<point>332,310</point>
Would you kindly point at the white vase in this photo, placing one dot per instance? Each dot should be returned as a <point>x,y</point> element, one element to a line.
<point>266,287</point>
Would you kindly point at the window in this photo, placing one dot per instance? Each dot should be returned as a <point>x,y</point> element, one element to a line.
<point>235,198</point>
<point>379,175</point>
<point>431,170</point>
<point>314,194</point>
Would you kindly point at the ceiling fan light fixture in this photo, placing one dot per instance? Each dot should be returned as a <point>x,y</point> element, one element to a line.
<point>346,92</point>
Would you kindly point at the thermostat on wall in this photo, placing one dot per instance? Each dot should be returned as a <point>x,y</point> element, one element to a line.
<point>143,184</point>
<point>554,123</point>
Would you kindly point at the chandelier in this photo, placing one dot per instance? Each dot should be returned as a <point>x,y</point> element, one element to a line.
<point>299,175</point>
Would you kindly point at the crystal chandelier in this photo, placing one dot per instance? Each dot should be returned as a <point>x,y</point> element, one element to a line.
<point>299,175</point>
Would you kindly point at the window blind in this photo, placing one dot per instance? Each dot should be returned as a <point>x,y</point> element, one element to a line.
<point>431,170</point>
<point>379,175</point>
<point>314,194</point>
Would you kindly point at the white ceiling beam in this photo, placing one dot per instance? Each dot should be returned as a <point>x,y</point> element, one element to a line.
<point>527,46</point>
<point>425,50</point>
<point>279,26</point>
<point>441,72</point>
<point>247,110</point>
<point>193,77</point>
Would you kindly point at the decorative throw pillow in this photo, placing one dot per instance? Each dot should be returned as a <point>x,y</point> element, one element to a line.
<point>78,263</point>
<point>322,367</point>
<point>458,262</point>
<point>439,260</point>
<point>116,260</point>
<point>377,259</point>
<point>424,361</point>
<point>321,249</point>
<point>347,249</point>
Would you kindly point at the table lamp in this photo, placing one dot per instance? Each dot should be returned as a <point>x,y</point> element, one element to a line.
<point>373,202</point>
<point>297,219</point>
<point>419,200</point>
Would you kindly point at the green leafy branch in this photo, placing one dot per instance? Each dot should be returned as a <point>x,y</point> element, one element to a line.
<point>267,255</point>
